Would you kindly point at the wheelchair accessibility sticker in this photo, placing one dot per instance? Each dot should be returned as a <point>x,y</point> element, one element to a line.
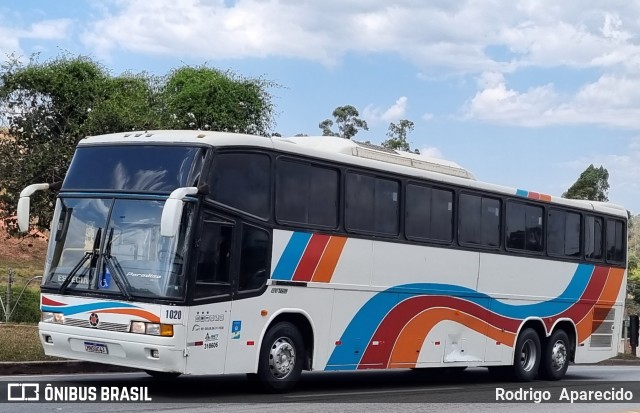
<point>236,326</point>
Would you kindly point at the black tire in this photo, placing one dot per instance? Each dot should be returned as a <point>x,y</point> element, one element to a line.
<point>527,355</point>
<point>555,356</point>
<point>162,375</point>
<point>281,358</point>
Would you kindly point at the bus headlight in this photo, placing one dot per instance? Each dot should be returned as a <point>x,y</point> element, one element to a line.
<point>138,327</point>
<point>51,317</point>
<point>153,329</point>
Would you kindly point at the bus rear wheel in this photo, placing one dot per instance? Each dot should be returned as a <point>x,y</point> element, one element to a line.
<point>527,356</point>
<point>555,359</point>
<point>281,358</point>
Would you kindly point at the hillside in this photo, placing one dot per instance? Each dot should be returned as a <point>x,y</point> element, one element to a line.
<point>25,255</point>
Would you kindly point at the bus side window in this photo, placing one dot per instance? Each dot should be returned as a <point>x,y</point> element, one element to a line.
<point>212,277</point>
<point>593,238</point>
<point>254,258</point>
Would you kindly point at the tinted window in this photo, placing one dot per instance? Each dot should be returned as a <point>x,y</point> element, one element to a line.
<point>306,194</point>
<point>524,227</point>
<point>371,204</point>
<point>254,258</point>
<point>563,233</point>
<point>615,240</point>
<point>429,213</point>
<point>214,258</point>
<point>593,238</point>
<point>479,220</point>
<point>134,168</point>
<point>241,181</point>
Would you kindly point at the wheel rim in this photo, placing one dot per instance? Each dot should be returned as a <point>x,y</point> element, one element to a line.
<point>528,355</point>
<point>558,355</point>
<point>282,358</point>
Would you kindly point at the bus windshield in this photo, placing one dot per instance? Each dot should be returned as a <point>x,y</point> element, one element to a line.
<point>114,246</point>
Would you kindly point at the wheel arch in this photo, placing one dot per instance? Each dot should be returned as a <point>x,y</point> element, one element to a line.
<point>303,323</point>
<point>568,326</point>
<point>537,325</point>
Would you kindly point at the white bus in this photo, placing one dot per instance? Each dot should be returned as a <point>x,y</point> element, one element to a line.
<point>189,252</point>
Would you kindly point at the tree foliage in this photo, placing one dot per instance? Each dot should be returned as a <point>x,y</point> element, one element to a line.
<point>397,135</point>
<point>208,99</point>
<point>347,119</point>
<point>593,184</point>
<point>47,107</point>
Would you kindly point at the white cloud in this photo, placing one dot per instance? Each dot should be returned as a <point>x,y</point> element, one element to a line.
<point>393,113</point>
<point>450,35</point>
<point>432,152</point>
<point>488,38</point>
<point>428,116</point>
<point>48,30</point>
<point>396,111</point>
<point>609,101</point>
<point>11,36</point>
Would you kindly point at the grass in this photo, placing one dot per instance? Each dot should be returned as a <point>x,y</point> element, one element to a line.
<point>20,342</point>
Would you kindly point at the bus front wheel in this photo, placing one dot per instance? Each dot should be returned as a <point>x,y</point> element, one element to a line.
<point>527,356</point>
<point>555,359</point>
<point>281,358</point>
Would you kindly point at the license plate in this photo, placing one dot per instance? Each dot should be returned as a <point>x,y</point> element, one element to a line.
<point>95,348</point>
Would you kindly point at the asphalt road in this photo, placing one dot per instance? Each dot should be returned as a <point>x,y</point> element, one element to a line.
<point>380,391</point>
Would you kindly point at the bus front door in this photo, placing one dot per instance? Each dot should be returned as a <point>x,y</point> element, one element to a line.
<point>210,314</point>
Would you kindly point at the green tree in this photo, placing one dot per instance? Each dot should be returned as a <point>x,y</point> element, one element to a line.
<point>209,99</point>
<point>47,107</point>
<point>44,106</point>
<point>397,135</point>
<point>347,119</point>
<point>592,184</point>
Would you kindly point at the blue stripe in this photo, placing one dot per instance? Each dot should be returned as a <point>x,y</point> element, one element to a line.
<point>366,321</point>
<point>522,192</point>
<point>291,256</point>
<point>81,308</point>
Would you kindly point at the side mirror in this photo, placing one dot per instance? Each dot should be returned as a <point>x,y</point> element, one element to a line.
<point>172,210</point>
<point>24,203</point>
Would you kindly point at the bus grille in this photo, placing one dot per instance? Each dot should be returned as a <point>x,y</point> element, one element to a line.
<point>74,322</point>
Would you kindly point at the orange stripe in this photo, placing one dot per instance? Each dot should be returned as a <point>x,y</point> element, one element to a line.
<point>584,327</point>
<point>133,311</point>
<point>546,198</point>
<point>329,261</point>
<point>407,347</point>
<point>612,286</point>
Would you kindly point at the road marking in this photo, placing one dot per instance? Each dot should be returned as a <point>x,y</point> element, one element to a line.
<point>356,393</point>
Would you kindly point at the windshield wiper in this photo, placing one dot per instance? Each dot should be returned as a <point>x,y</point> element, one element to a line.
<point>92,255</point>
<point>116,270</point>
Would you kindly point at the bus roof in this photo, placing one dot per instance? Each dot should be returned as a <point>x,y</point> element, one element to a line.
<point>348,152</point>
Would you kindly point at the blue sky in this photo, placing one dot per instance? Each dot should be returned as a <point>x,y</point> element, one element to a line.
<point>523,93</point>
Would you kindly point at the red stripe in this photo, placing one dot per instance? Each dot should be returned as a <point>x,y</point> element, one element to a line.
<point>49,301</point>
<point>311,257</point>
<point>589,297</point>
<point>389,330</point>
